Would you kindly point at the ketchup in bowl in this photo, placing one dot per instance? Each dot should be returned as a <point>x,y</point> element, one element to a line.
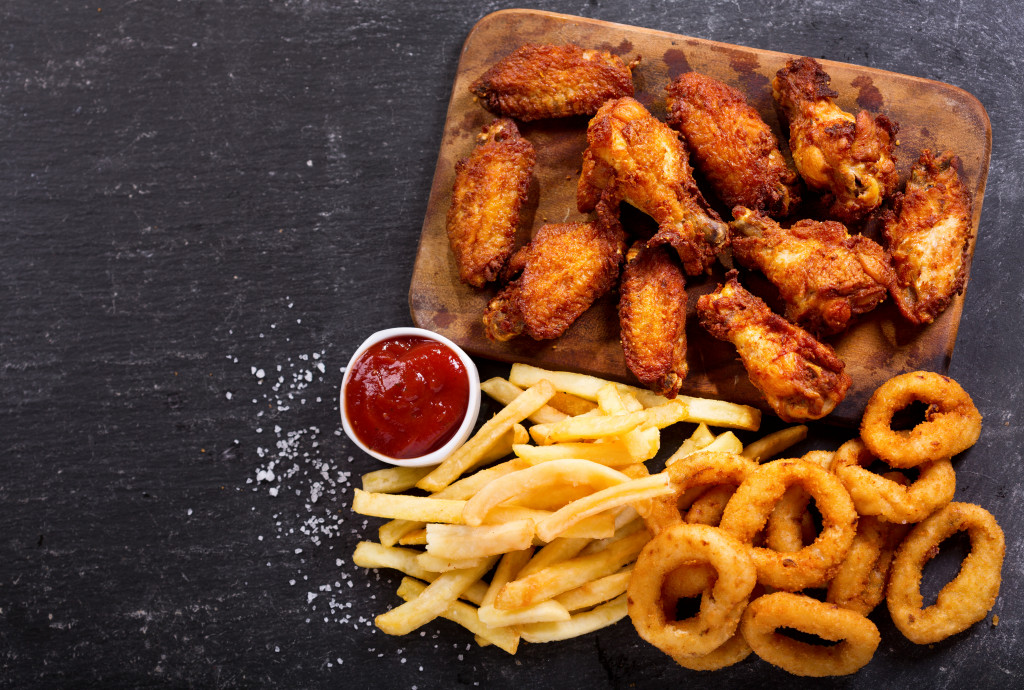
<point>406,396</point>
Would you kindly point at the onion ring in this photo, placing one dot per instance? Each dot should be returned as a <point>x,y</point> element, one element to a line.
<point>952,423</point>
<point>721,605</point>
<point>691,581</point>
<point>702,469</point>
<point>709,506</point>
<point>859,584</point>
<point>756,497</point>
<point>875,494</point>
<point>966,599</point>
<point>857,636</point>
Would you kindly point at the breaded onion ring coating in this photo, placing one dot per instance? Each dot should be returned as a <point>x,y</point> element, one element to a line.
<point>710,505</point>
<point>857,637</point>
<point>704,469</point>
<point>952,423</point>
<point>894,501</point>
<point>859,584</point>
<point>692,581</point>
<point>721,605</point>
<point>965,600</point>
<point>756,497</point>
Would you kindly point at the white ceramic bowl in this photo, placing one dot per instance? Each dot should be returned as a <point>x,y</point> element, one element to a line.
<point>472,407</point>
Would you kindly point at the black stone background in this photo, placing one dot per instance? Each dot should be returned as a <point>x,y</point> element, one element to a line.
<point>193,190</point>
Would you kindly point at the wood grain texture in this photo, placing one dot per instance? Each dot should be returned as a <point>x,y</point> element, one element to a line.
<point>878,346</point>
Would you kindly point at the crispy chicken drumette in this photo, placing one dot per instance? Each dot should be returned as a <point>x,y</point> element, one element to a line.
<point>632,156</point>
<point>652,318</point>
<point>545,81</point>
<point>491,185</point>
<point>849,159</point>
<point>930,237</point>
<point>732,146</point>
<point>825,275</point>
<point>800,377</point>
<point>565,269</point>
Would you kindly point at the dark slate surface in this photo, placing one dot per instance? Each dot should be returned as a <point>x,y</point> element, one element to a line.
<point>191,192</point>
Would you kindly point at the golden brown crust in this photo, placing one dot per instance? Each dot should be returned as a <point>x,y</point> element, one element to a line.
<point>652,318</point>
<point>732,146</point>
<point>929,237</point>
<point>566,268</point>
<point>825,275</point>
<point>491,185</point>
<point>545,81</point>
<point>632,156</point>
<point>849,159</point>
<point>800,377</point>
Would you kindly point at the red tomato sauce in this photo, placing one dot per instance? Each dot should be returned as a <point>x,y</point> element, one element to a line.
<point>407,396</point>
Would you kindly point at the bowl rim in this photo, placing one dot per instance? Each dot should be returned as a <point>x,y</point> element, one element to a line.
<point>472,406</point>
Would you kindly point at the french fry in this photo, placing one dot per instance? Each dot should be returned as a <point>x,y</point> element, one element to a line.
<point>433,601</point>
<point>595,592</point>
<point>774,443</point>
<point>414,538</point>
<point>504,391</point>
<point>613,453</point>
<point>469,453</point>
<point>555,551</point>
<point>642,444</point>
<point>393,480</point>
<point>724,442</point>
<point>598,617</point>
<point>463,541</point>
<point>631,491</point>
<point>569,574</point>
<point>571,405</point>
<point>405,507</point>
<point>440,564</point>
<point>463,614</point>
<point>711,412</point>
<point>370,554</point>
<point>538,477</point>
<point>509,565</point>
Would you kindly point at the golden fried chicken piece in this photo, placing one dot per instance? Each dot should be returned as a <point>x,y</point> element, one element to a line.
<point>929,236</point>
<point>652,318</point>
<point>565,269</point>
<point>732,146</point>
<point>825,275</point>
<point>801,378</point>
<point>632,156</point>
<point>850,159</point>
<point>491,185</point>
<point>544,81</point>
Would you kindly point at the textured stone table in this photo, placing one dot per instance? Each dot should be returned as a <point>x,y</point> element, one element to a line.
<point>205,206</point>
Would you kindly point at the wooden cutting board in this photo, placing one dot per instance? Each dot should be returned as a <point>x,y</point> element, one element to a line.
<point>880,345</point>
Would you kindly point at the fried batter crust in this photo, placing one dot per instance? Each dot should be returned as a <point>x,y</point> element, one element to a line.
<point>652,318</point>
<point>929,236</point>
<point>566,268</point>
<point>800,377</point>
<point>732,146</point>
<point>546,81</point>
<point>491,185</point>
<point>632,156</point>
<point>825,275</point>
<point>849,159</point>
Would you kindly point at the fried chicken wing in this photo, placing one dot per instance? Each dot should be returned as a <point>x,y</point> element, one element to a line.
<point>825,275</point>
<point>800,377</point>
<point>849,159</point>
<point>632,156</point>
<point>491,185</point>
<point>652,317</point>
<point>545,81</point>
<point>566,268</point>
<point>732,146</point>
<point>929,237</point>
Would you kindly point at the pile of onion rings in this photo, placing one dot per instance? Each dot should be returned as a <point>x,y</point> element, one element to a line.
<point>739,535</point>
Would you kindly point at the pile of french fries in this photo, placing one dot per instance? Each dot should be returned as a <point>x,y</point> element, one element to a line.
<point>529,534</point>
